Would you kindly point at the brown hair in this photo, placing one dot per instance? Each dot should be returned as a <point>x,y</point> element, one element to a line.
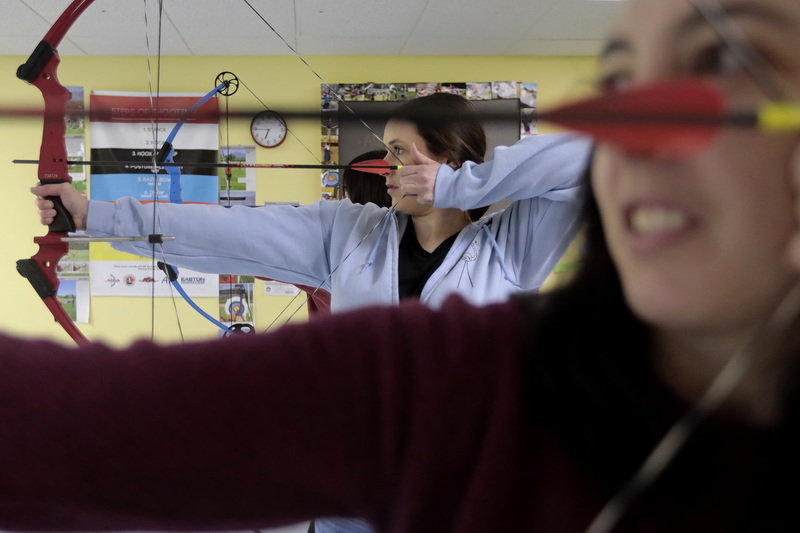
<point>364,187</point>
<point>450,127</point>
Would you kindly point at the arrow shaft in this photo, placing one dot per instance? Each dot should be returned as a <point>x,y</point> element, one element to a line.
<point>213,165</point>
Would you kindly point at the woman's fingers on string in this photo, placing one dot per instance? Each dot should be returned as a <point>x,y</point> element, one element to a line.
<point>417,185</point>
<point>419,179</point>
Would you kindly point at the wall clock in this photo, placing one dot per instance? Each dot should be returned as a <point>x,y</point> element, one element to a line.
<point>268,129</point>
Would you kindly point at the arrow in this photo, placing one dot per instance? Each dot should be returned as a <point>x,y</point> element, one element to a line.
<point>677,118</point>
<point>372,166</point>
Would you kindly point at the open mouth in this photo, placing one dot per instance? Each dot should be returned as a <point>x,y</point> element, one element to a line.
<point>652,220</point>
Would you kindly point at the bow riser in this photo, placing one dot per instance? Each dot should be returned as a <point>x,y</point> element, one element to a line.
<point>53,152</point>
<point>53,163</point>
<point>40,70</point>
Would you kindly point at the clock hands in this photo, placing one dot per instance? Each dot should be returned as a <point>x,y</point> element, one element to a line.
<point>268,128</point>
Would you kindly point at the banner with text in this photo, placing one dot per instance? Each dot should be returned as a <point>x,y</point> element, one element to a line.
<point>126,125</point>
<point>125,129</point>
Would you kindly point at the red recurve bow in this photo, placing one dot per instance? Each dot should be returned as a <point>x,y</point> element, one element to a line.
<point>40,71</point>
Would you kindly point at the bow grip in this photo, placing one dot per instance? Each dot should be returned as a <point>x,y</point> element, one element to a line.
<point>63,220</point>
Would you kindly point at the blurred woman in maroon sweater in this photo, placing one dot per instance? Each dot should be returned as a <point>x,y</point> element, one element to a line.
<point>529,415</point>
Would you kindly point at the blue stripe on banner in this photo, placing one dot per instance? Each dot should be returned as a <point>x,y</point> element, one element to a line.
<point>194,188</point>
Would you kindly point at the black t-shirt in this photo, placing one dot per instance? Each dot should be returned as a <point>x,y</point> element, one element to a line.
<point>415,264</point>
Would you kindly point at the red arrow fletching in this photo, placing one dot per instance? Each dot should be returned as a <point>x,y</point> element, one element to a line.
<point>669,119</point>
<point>373,166</point>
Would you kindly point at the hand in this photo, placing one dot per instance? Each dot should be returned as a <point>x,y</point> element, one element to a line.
<point>419,179</point>
<point>75,202</point>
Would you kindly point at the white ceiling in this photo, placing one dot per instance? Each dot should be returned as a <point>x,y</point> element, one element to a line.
<point>315,27</point>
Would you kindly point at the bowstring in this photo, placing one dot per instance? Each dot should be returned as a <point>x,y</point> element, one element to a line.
<point>156,248</point>
<point>154,125</point>
<point>318,287</point>
<point>154,122</point>
<point>322,81</point>
<point>316,158</point>
<point>288,130</point>
<point>740,46</point>
<point>389,211</point>
<point>715,395</point>
<point>344,104</point>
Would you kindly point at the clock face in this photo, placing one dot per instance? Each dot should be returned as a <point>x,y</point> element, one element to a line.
<point>268,129</point>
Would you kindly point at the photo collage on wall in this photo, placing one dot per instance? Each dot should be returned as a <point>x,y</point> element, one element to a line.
<point>334,96</point>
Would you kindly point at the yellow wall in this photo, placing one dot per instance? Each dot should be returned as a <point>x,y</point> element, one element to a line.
<point>281,82</point>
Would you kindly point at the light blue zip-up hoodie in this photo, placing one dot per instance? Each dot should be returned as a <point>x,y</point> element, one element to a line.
<point>351,250</point>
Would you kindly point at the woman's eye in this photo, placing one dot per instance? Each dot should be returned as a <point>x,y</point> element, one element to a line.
<point>614,81</point>
<point>717,59</point>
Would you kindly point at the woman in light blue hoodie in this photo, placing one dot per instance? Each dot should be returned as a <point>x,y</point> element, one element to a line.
<point>433,242</point>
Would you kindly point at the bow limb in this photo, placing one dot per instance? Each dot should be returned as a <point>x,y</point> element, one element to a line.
<point>167,152</point>
<point>172,276</point>
<point>40,70</point>
<point>166,155</point>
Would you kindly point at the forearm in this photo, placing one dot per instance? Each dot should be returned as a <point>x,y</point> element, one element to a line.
<point>548,166</point>
<point>237,435</point>
<point>256,430</point>
<point>282,242</point>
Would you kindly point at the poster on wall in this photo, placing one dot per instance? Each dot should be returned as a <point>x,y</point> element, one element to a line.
<point>126,129</point>
<point>454,88</point>
<point>329,137</point>
<point>479,91</point>
<point>73,269</point>
<point>124,132</point>
<point>236,301</point>
<point>118,277</point>
<point>74,298</point>
<point>527,112</point>
<point>75,136</point>
<point>278,288</point>
<point>74,286</point>
<point>505,90</point>
<point>237,185</point>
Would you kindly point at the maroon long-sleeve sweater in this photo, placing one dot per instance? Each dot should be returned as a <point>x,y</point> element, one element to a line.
<point>414,419</point>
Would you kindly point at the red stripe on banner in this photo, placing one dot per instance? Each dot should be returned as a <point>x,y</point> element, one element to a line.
<point>165,109</point>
